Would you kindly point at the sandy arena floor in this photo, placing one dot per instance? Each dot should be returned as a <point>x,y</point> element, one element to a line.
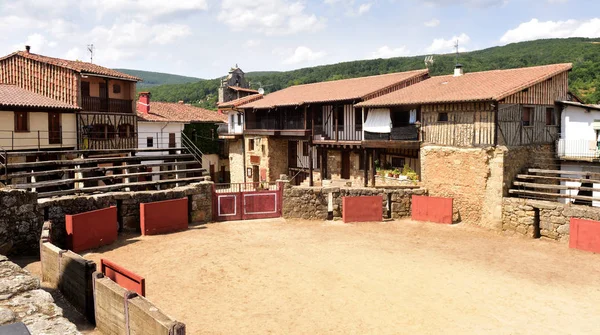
<point>271,277</point>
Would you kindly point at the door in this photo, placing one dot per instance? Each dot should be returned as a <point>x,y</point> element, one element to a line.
<point>292,154</point>
<point>172,142</point>
<point>345,165</point>
<point>54,128</point>
<point>103,97</point>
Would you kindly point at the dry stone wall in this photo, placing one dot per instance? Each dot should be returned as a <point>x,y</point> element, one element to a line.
<point>519,216</point>
<point>20,222</point>
<point>311,203</point>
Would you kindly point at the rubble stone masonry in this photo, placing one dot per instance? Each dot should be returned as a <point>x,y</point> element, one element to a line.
<point>236,161</point>
<point>271,154</point>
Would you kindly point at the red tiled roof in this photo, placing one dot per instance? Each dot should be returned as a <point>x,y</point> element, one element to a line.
<point>240,101</point>
<point>331,91</point>
<point>78,66</point>
<point>241,89</point>
<point>176,112</point>
<point>14,96</point>
<point>477,86</point>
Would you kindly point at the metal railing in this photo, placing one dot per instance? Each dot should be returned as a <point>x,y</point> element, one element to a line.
<point>107,105</point>
<point>187,143</point>
<point>578,149</point>
<point>245,187</point>
<point>401,133</point>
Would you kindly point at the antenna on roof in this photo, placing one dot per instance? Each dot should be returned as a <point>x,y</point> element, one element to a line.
<point>428,61</point>
<point>90,48</point>
<point>456,47</point>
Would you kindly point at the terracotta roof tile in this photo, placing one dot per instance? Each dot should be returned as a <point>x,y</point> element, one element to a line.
<point>477,86</point>
<point>14,96</point>
<point>176,112</point>
<point>331,91</point>
<point>241,89</point>
<point>78,66</point>
<point>240,101</point>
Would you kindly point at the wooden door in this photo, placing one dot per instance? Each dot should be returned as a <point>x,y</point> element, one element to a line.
<point>103,97</point>
<point>54,128</point>
<point>172,142</point>
<point>292,154</point>
<point>345,165</point>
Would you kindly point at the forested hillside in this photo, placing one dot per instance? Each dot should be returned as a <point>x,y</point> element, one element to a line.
<point>583,53</point>
<point>157,78</point>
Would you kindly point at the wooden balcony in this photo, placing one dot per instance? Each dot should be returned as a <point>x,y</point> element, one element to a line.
<point>400,137</point>
<point>97,104</point>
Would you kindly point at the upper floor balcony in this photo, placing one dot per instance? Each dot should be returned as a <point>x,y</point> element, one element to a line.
<point>98,104</point>
<point>287,122</point>
<point>578,150</point>
<point>99,94</point>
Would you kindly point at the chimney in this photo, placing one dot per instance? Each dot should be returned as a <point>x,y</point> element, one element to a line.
<point>458,70</point>
<point>180,102</point>
<point>143,104</point>
<point>27,48</point>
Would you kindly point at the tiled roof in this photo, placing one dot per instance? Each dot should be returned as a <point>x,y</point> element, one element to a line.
<point>177,112</point>
<point>581,105</point>
<point>78,66</point>
<point>477,86</point>
<point>241,89</point>
<point>13,96</point>
<point>331,91</point>
<point>240,101</point>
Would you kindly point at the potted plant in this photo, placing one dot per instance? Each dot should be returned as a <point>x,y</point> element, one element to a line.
<point>390,173</point>
<point>396,173</point>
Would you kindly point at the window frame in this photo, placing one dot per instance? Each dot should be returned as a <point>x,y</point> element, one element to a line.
<point>149,142</point>
<point>550,111</point>
<point>530,116</point>
<point>250,144</point>
<point>25,124</point>
<point>440,117</point>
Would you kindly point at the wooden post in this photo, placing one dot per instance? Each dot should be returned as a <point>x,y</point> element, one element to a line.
<point>362,136</point>
<point>335,126</point>
<point>324,163</point>
<point>373,168</point>
<point>366,164</point>
<point>310,165</point>
<point>305,116</point>
<point>496,126</point>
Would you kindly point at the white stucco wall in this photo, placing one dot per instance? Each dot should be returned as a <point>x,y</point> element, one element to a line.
<point>234,126</point>
<point>578,137</point>
<point>38,121</point>
<point>159,131</point>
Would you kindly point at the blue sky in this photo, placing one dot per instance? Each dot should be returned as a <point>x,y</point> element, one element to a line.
<point>204,38</point>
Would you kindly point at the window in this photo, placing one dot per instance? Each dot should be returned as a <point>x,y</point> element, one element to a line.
<point>85,88</point>
<point>442,117</point>
<point>263,150</point>
<point>358,119</point>
<point>172,142</point>
<point>232,122</point>
<point>21,121</point>
<point>116,88</point>
<point>149,142</point>
<point>125,130</point>
<point>251,144</point>
<point>239,119</point>
<point>550,120</point>
<point>305,149</point>
<point>101,131</point>
<point>398,162</point>
<point>340,117</point>
<point>527,117</point>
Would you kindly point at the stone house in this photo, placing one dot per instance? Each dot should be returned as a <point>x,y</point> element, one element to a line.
<point>310,132</point>
<point>104,99</point>
<point>478,130</point>
<point>234,86</point>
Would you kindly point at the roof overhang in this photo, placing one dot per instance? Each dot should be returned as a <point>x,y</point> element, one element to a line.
<point>109,77</point>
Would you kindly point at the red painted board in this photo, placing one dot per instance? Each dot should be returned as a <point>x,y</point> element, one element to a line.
<point>125,278</point>
<point>432,209</point>
<point>91,230</point>
<point>162,217</point>
<point>584,235</point>
<point>362,209</point>
<point>261,205</point>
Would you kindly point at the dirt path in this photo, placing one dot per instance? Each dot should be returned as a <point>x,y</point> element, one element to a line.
<point>258,277</point>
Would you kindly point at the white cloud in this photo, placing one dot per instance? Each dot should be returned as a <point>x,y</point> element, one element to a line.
<point>37,41</point>
<point>467,3</point>
<point>252,43</point>
<point>365,7</point>
<point>387,52</point>
<point>444,46</point>
<point>270,17</point>
<point>536,29</point>
<point>303,54</point>
<point>349,5</point>
<point>432,23</point>
<point>145,9</point>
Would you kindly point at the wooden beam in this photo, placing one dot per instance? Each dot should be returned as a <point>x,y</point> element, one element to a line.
<point>555,187</point>
<point>373,168</point>
<point>118,187</point>
<point>580,180</point>
<point>553,195</point>
<point>311,182</point>
<point>561,172</point>
<point>366,166</point>
<point>73,162</point>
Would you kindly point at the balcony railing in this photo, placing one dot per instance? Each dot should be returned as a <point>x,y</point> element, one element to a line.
<point>586,150</point>
<point>403,133</point>
<point>97,104</point>
<point>273,124</point>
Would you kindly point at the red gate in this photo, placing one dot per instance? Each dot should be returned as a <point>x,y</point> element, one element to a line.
<point>246,201</point>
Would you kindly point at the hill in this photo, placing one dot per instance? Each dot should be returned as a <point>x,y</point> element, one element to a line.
<point>582,52</point>
<point>151,79</point>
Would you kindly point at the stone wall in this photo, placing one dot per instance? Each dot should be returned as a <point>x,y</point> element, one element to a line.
<point>334,167</point>
<point>519,216</point>
<point>272,154</point>
<point>236,161</point>
<point>23,215</point>
<point>519,159</point>
<point>311,203</point>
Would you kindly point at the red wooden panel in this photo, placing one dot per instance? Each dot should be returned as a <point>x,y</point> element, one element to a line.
<point>164,216</point>
<point>125,278</point>
<point>91,229</point>
<point>362,209</point>
<point>261,205</point>
<point>263,174</point>
<point>255,160</point>
<point>227,206</point>
<point>584,235</point>
<point>433,209</point>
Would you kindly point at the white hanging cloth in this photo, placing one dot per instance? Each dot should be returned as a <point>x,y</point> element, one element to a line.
<point>378,121</point>
<point>413,116</point>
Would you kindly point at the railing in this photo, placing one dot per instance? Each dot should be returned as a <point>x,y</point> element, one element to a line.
<point>4,163</point>
<point>245,187</point>
<point>187,143</point>
<point>578,149</point>
<point>107,105</point>
<point>403,133</point>
<point>37,140</point>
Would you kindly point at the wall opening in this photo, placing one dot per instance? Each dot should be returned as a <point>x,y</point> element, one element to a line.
<point>536,223</point>
<point>120,215</point>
